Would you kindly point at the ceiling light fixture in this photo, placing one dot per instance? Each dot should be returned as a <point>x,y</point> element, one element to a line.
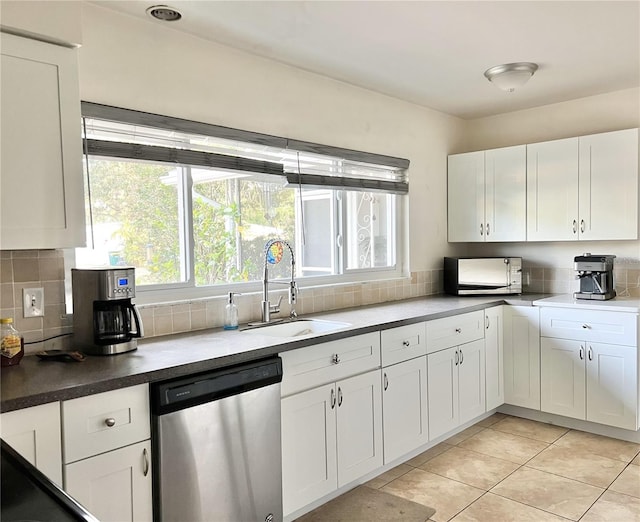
<point>164,13</point>
<point>511,76</point>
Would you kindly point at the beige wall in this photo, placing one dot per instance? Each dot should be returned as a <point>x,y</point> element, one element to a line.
<point>143,65</point>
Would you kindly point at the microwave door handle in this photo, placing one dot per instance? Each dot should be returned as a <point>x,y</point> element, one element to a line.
<point>138,320</point>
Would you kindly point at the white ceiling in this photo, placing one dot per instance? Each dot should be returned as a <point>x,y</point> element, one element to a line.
<point>432,53</point>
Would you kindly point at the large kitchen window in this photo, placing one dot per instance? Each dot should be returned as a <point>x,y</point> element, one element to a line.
<point>191,209</point>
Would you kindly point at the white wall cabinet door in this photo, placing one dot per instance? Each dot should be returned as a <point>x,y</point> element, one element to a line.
<point>612,385</point>
<point>471,377</point>
<point>404,407</point>
<point>35,434</point>
<point>359,426</point>
<point>41,147</point>
<point>309,464</point>
<point>552,190</point>
<point>465,197</point>
<point>506,194</point>
<point>494,357</point>
<point>562,377</point>
<point>114,486</point>
<point>442,391</point>
<point>522,356</point>
<point>609,185</point>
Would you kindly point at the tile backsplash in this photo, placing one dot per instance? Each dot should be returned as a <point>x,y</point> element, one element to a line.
<point>45,268</point>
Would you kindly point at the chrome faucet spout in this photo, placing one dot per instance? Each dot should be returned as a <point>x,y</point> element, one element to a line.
<point>267,307</point>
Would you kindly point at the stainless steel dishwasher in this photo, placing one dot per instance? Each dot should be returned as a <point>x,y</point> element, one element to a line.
<point>216,445</point>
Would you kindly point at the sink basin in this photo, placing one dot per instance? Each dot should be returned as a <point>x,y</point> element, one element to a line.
<point>299,328</point>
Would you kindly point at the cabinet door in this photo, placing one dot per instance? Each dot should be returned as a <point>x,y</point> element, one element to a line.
<point>35,434</point>
<point>612,380</point>
<point>562,377</point>
<point>359,426</point>
<point>494,357</point>
<point>309,465</point>
<point>442,391</point>
<point>404,407</point>
<point>41,146</point>
<point>114,486</point>
<point>471,376</point>
<point>609,185</point>
<point>522,356</point>
<point>465,196</point>
<point>506,194</point>
<point>552,190</point>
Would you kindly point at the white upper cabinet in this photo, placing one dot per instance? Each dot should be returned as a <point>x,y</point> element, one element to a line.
<point>487,195</point>
<point>583,188</point>
<point>608,185</point>
<point>41,187</point>
<point>552,190</point>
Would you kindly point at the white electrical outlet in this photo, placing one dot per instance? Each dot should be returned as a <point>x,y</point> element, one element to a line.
<point>33,302</point>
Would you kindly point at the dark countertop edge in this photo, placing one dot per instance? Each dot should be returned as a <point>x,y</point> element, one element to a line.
<point>180,370</point>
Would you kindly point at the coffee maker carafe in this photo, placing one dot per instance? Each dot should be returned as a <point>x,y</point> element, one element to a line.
<point>105,321</point>
<point>595,273</point>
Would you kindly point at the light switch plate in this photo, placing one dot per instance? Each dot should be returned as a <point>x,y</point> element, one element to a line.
<point>33,302</point>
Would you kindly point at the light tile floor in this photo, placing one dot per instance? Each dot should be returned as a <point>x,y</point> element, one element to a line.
<point>510,469</point>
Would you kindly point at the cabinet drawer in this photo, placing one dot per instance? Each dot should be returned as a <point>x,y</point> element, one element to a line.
<point>105,421</point>
<point>455,330</point>
<point>316,365</point>
<point>589,325</point>
<point>403,343</point>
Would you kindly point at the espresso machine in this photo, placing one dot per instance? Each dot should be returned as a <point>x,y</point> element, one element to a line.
<point>105,321</point>
<point>595,273</point>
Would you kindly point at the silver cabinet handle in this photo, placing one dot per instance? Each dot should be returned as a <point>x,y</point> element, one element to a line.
<point>581,353</point>
<point>486,317</point>
<point>405,343</point>
<point>461,357</point>
<point>458,330</point>
<point>575,226</point>
<point>333,398</point>
<point>145,462</point>
<point>386,382</point>
<point>457,358</point>
<point>110,422</point>
<point>339,396</point>
<point>590,353</point>
<point>582,226</point>
<point>586,326</point>
<point>488,231</point>
<point>481,229</point>
<point>335,359</point>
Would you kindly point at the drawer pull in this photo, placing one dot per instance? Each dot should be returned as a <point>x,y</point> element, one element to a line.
<point>405,343</point>
<point>145,462</point>
<point>110,422</point>
<point>586,327</point>
<point>335,359</point>
<point>458,330</point>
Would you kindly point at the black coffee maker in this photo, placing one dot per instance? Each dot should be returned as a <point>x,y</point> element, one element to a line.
<point>105,321</point>
<point>595,273</point>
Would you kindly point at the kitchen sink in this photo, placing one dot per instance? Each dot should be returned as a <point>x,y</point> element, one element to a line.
<point>299,328</point>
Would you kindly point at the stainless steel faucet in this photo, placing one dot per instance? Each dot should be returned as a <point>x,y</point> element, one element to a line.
<point>267,307</point>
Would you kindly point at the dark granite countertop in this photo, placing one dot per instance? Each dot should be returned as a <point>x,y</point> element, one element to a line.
<point>35,382</point>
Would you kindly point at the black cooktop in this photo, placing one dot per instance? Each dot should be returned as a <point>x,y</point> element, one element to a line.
<point>29,496</point>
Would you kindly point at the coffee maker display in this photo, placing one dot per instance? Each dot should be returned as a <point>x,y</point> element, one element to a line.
<point>595,273</point>
<point>105,321</point>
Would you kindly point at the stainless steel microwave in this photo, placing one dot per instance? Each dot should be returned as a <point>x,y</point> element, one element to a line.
<point>482,275</point>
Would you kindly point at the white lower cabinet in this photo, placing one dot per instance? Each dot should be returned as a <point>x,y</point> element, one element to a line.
<point>331,435</point>
<point>522,356</point>
<point>494,356</point>
<point>456,386</point>
<point>35,434</point>
<point>107,453</point>
<point>596,382</point>
<point>115,485</point>
<point>404,406</point>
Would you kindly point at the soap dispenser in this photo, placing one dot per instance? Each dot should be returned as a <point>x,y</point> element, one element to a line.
<point>231,314</point>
